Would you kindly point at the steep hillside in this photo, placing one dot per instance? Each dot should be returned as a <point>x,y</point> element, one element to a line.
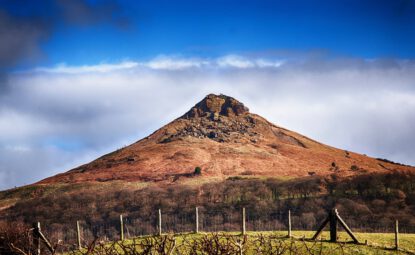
<point>224,139</point>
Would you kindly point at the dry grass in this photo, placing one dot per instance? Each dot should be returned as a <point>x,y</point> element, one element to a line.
<point>252,243</point>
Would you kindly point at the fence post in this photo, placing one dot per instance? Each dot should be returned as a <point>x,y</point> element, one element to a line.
<point>36,237</point>
<point>396,235</point>
<point>197,220</point>
<point>121,228</point>
<point>344,225</point>
<point>333,225</point>
<point>243,221</point>
<point>78,235</point>
<point>159,222</point>
<point>289,224</point>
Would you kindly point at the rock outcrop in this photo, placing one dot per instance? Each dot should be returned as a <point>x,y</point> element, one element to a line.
<point>213,106</point>
<point>220,118</point>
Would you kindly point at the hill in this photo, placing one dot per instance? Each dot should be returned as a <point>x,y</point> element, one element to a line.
<point>224,139</point>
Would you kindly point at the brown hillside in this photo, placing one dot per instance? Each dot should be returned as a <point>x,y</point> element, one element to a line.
<point>220,135</point>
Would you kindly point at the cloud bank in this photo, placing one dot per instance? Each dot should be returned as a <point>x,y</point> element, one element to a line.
<point>55,118</point>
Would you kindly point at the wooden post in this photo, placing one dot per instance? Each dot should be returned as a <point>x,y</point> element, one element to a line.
<point>396,235</point>
<point>333,225</point>
<point>36,237</point>
<point>197,220</point>
<point>121,228</point>
<point>344,225</point>
<point>333,218</point>
<point>159,222</point>
<point>78,235</point>
<point>289,223</point>
<point>320,229</point>
<point>243,221</point>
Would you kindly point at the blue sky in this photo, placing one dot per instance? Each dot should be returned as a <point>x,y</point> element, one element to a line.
<point>80,78</point>
<point>144,29</point>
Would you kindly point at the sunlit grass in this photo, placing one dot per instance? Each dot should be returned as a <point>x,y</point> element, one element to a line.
<point>378,243</point>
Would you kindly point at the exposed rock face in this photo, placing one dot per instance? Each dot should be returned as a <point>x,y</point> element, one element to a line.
<point>219,129</point>
<point>221,136</point>
<point>220,118</point>
<point>213,106</point>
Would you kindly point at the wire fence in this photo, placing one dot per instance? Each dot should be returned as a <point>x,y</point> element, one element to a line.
<point>205,220</point>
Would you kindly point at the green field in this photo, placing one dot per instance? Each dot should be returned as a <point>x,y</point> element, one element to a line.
<point>258,243</point>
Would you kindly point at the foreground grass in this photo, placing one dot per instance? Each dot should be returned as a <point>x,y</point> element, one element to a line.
<point>384,240</point>
<point>256,243</point>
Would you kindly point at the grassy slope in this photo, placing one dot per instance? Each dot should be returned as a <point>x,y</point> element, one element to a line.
<point>378,243</point>
<point>381,240</point>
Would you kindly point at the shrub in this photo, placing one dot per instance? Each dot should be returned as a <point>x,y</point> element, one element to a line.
<point>198,170</point>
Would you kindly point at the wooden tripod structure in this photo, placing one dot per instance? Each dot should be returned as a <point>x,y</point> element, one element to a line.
<point>333,218</point>
<point>38,236</point>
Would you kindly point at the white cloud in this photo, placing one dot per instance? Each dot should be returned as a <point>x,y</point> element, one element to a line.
<point>267,63</point>
<point>235,61</point>
<point>168,63</point>
<point>56,118</point>
<point>165,63</point>
<point>100,68</point>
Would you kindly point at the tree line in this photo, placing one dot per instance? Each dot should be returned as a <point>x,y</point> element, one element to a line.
<point>367,202</point>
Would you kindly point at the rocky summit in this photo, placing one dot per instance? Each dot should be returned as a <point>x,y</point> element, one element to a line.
<point>221,137</point>
<point>213,106</point>
<point>220,118</point>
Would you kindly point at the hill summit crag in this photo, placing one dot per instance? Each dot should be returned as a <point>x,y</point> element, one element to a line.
<point>214,106</point>
<point>220,118</point>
